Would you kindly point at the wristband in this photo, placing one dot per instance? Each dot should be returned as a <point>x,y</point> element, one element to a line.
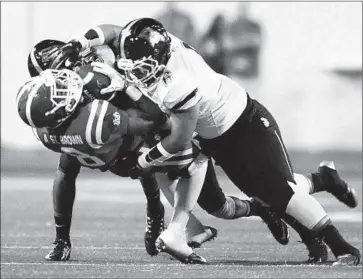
<point>156,156</point>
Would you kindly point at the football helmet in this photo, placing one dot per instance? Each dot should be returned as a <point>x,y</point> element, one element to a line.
<point>42,55</point>
<point>143,51</point>
<point>49,99</point>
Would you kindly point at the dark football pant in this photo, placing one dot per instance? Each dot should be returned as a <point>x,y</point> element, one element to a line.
<point>211,197</point>
<point>253,156</point>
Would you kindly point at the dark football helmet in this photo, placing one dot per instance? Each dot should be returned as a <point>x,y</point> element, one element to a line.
<point>144,50</point>
<point>42,55</point>
<point>49,99</point>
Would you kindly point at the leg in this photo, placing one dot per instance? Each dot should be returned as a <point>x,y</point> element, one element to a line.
<point>213,200</point>
<point>261,156</point>
<point>154,213</point>
<point>155,209</point>
<point>173,239</point>
<point>64,191</point>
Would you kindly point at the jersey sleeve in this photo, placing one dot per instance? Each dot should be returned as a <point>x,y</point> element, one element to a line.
<point>182,91</point>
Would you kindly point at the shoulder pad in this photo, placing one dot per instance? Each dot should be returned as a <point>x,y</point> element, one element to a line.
<point>105,122</point>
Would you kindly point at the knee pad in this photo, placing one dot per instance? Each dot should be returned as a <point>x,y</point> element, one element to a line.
<point>308,211</point>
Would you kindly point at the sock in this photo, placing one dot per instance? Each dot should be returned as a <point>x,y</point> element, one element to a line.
<point>63,225</point>
<point>307,211</point>
<point>335,241</point>
<point>303,232</point>
<point>152,192</point>
<point>233,208</point>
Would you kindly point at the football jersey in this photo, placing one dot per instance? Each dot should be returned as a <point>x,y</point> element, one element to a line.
<point>96,135</point>
<point>188,80</point>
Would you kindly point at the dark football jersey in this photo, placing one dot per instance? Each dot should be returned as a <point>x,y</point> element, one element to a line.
<point>95,135</point>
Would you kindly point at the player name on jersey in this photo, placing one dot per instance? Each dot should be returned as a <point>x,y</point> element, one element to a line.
<point>63,139</point>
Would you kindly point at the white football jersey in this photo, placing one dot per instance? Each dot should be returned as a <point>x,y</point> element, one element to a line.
<point>189,80</point>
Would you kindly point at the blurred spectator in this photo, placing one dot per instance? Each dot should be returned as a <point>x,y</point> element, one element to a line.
<point>178,23</point>
<point>212,45</point>
<point>244,43</point>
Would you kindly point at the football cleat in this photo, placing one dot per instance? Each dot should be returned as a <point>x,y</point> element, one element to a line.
<point>347,259</point>
<point>318,252</point>
<point>61,251</point>
<point>277,227</point>
<point>209,234</point>
<point>154,227</point>
<point>173,245</point>
<point>333,184</point>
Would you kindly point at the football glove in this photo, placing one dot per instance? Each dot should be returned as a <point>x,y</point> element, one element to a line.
<point>118,82</point>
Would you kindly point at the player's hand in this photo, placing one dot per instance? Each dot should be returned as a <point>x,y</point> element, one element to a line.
<point>131,166</point>
<point>118,82</point>
<point>70,51</point>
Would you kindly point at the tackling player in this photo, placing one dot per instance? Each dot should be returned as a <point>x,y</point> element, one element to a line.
<point>233,128</point>
<point>214,202</point>
<point>326,179</point>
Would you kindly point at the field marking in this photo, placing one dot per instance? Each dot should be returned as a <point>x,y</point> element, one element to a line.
<point>162,265</point>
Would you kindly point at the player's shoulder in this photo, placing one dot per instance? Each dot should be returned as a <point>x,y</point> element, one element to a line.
<point>178,83</point>
<point>104,121</point>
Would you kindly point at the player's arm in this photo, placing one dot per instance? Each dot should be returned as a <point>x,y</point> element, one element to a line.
<point>150,110</point>
<point>139,122</point>
<point>104,34</point>
<point>117,123</point>
<point>183,120</point>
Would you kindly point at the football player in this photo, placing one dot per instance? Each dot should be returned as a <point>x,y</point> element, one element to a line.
<point>216,203</point>
<point>92,133</point>
<point>326,179</point>
<point>236,130</point>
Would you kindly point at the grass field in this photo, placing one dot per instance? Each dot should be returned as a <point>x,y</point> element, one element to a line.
<point>108,227</point>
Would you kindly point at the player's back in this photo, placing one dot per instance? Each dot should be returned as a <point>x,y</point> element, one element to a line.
<point>221,100</point>
<point>95,134</point>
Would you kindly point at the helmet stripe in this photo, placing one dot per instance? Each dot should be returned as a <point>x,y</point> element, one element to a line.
<point>35,62</point>
<point>29,101</point>
<point>91,119</point>
<point>22,90</point>
<point>100,122</point>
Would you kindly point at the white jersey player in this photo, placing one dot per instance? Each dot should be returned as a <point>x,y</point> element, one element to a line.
<point>237,131</point>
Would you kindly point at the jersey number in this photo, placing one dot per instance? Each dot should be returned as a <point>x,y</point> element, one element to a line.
<point>83,158</point>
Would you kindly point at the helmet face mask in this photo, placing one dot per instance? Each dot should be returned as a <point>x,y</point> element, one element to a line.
<point>144,51</point>
<point>65,89</point>
<point>144,72</point>
<point>50,98</point>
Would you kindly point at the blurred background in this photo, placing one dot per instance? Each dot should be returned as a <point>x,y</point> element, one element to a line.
<point>303,60</point>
